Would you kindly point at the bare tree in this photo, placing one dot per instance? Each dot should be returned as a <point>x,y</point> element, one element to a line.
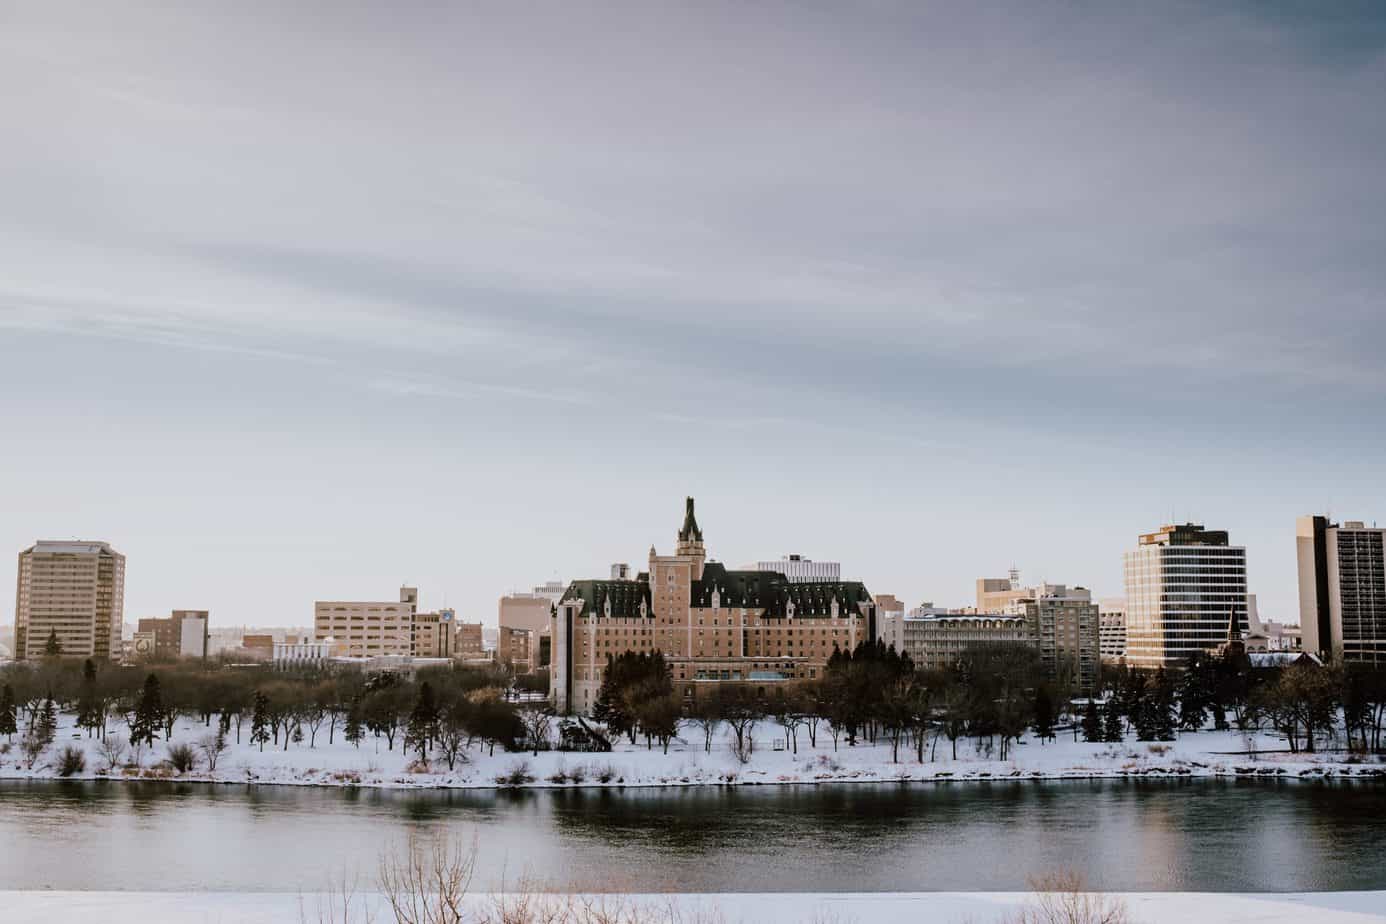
<point>212,746</point>
<point>1064,898</point>
<point>427,883</point>
<point>452,736</point>
<point>537,725</point>
<point>112,750</point>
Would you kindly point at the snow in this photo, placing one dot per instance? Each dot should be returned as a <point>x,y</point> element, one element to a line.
<point>843,908</point>
<point>1199,754</point>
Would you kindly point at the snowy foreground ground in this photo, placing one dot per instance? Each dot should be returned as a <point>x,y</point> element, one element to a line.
<point>1204,753</point>
<point>885,908</point>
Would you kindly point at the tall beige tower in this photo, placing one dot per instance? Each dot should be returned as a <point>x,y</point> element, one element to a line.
<point>73,592</point>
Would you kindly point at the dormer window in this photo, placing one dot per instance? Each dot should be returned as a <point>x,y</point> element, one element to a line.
<point>716,599</point>
<point>606,608</point>
<point>789,609</point>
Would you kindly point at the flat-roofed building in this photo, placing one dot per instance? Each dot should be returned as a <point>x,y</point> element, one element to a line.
<point>1184,585</point>
<point>73,593</point>
<point>798,569</point>
<point>1111,628</point>
<point>183,634</point>
<point>935,642</point>
<point>469,643</point>
<point>368,629</point>
<point>1342,589</point>
<point>1064,624</point>
<point>433,634</point>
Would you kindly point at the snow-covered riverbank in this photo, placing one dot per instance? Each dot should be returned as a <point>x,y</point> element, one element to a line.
<point>373,763</point>
<point>843,908</point>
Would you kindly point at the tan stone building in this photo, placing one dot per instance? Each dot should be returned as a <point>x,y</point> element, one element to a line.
<point>71,591</point>
<point>1065,624</point>
<point>710,623</point>
<point>433,634</point>
<point>368,629</point>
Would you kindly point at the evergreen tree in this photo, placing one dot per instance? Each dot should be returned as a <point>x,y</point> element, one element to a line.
<point>1092,723</point>
<point>1044,713</point>
<point>89,709</point>
<point>8,725</point>
<point>423,722</point>
<point>52,648</point>
<point>353,728</point>
<point>1162,707</point>
<point>149,712</point>
<point>259,720</point>
<point>46,724</point>
<point>1112,730</point>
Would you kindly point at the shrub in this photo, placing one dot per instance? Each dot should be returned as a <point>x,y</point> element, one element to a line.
<point>71,761</point>
<point>558,777</point>
<point>606,774</point>
<point>1159,749</point>
<point>182,758</point>
<point>517,775</point>
<point>577,774</point>
<point>417,765</point>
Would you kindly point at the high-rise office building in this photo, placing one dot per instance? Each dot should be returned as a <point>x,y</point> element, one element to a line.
<point>1342,589</point>
<point>1184,585</point>
<point>73,593</point>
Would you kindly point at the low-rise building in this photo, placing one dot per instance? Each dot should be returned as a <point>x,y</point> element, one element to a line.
<point>303,653</point>
<point>181,635</point>
<point>935,642</point>
<point>369,628</point>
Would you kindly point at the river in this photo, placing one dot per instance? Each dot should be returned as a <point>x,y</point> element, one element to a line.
<point>1197,835</point>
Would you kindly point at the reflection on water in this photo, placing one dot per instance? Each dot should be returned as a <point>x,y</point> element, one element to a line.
<point>1234,835</point>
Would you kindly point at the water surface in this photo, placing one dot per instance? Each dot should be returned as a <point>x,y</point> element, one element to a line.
<point>1200,835</point>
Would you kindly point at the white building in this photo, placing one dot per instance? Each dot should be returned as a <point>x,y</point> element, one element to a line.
<point>1342,589</point>
<point>1111,628</point>
<point>1183,586</point>
<point>299,654</point>
<point>802,570</point>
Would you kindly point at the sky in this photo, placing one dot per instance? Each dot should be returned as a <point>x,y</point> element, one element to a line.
<point>308,301</point>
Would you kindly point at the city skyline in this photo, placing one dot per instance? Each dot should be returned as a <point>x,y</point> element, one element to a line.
<point>294,312</point>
